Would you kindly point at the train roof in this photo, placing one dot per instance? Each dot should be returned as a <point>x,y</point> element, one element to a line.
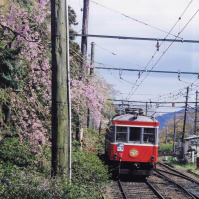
<point>135,120</point>
<point>130,117</point>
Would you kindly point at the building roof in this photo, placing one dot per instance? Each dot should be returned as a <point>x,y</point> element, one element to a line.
<point>192,138</point>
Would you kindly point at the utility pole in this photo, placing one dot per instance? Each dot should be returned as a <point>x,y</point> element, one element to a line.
<point>184,125</point>
<point>84,38</point>
<point>174,136</point>
<point>195,124</point>
<point>60,104</point>
<point>146,108</point>
<point>92,58</point>
<point>166,134</point>
<point>185,115</point>
<point>196,110</point>
<point>91,75</point>
<point>84,71</point>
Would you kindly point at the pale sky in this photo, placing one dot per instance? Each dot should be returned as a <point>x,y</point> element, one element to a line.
<point>133,54</point>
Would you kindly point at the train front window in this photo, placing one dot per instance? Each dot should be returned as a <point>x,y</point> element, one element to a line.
<point>134,135</point>
<point>149,135</point>
<point>121,129</point>
<point>121,134</point>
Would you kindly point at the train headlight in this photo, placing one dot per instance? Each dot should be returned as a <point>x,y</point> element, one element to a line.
<point>152,158</point>
<point>115,155</point>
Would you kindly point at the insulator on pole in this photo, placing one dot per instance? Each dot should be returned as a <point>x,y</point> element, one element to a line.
<point>179,75</point>
<point>139,74</point>
<point>120,74</point>
<point>157,45</point>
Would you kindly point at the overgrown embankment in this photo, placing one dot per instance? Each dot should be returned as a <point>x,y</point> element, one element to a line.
<point>25,175</point>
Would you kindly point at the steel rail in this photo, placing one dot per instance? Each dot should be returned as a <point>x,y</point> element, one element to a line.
<point>197,175</point>
<point>154,189</point>
<point>122,189</point>
<point>178,173</point>
<point>134,38</point>
<point>178,185</point>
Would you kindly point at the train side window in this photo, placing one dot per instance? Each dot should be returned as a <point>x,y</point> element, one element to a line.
<point>134,135</point>
<point>121,134</point>
<point>149,135</point>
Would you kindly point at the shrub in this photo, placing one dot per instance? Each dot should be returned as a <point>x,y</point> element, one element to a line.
<point>165,149</point>
<point>88,168</point>
<point>14,153</point>
<point>20,177</point>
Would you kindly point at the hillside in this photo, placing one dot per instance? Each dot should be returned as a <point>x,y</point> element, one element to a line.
<point>163,119</point>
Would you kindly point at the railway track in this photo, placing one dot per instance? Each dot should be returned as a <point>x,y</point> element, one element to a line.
<point>193,174</point>
<point>138,189</point>
<point>188,184</point>
<point>165,183</point>
<point>183,173</point>
<point>152,188</point>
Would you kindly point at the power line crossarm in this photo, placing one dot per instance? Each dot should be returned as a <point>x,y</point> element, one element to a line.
<point>150,102</point>
<point>151,71</point>
<point>135,38</point>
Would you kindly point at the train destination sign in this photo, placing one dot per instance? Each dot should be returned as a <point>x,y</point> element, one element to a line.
<point>120,147</point>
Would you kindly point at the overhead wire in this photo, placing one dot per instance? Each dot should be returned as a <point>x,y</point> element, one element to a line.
<point>136,20</point>
<point>176,94</point>
<point>169,98</point>
<point>191,84</point>
<point>88,60</point>
<point>163,52</point>
<point>192,102</point>
<point>81,57</point>
<point>169,32</point>
<point>166,95</point>
<point>162,41</point>
<point>105,49</point>
<point>112,67</point>
<point>155,54</point>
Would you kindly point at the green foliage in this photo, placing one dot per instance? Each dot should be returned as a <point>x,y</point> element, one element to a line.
<point>189,128</point>
<point>22,176</point>
<point>8,69</point>
<point>72,16</point>
<point>182,164</point>
<point>93,141</point>
<point>88,175</point>
<point>12,151</point>
<point>168,149</point>
<point>89,168</point>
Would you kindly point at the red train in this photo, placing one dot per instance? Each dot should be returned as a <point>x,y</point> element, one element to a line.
<point>132,141</point>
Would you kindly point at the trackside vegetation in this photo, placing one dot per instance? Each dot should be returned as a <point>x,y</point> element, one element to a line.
<point>23,175</point>
<point>165,149</point>
<point>25,109</point>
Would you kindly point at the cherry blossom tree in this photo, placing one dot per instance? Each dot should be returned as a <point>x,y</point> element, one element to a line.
<point>25,27</point>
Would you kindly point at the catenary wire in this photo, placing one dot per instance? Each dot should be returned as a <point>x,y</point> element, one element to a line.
<point>136,20</point>
<point>162,55</point>
<point>162,42</point>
